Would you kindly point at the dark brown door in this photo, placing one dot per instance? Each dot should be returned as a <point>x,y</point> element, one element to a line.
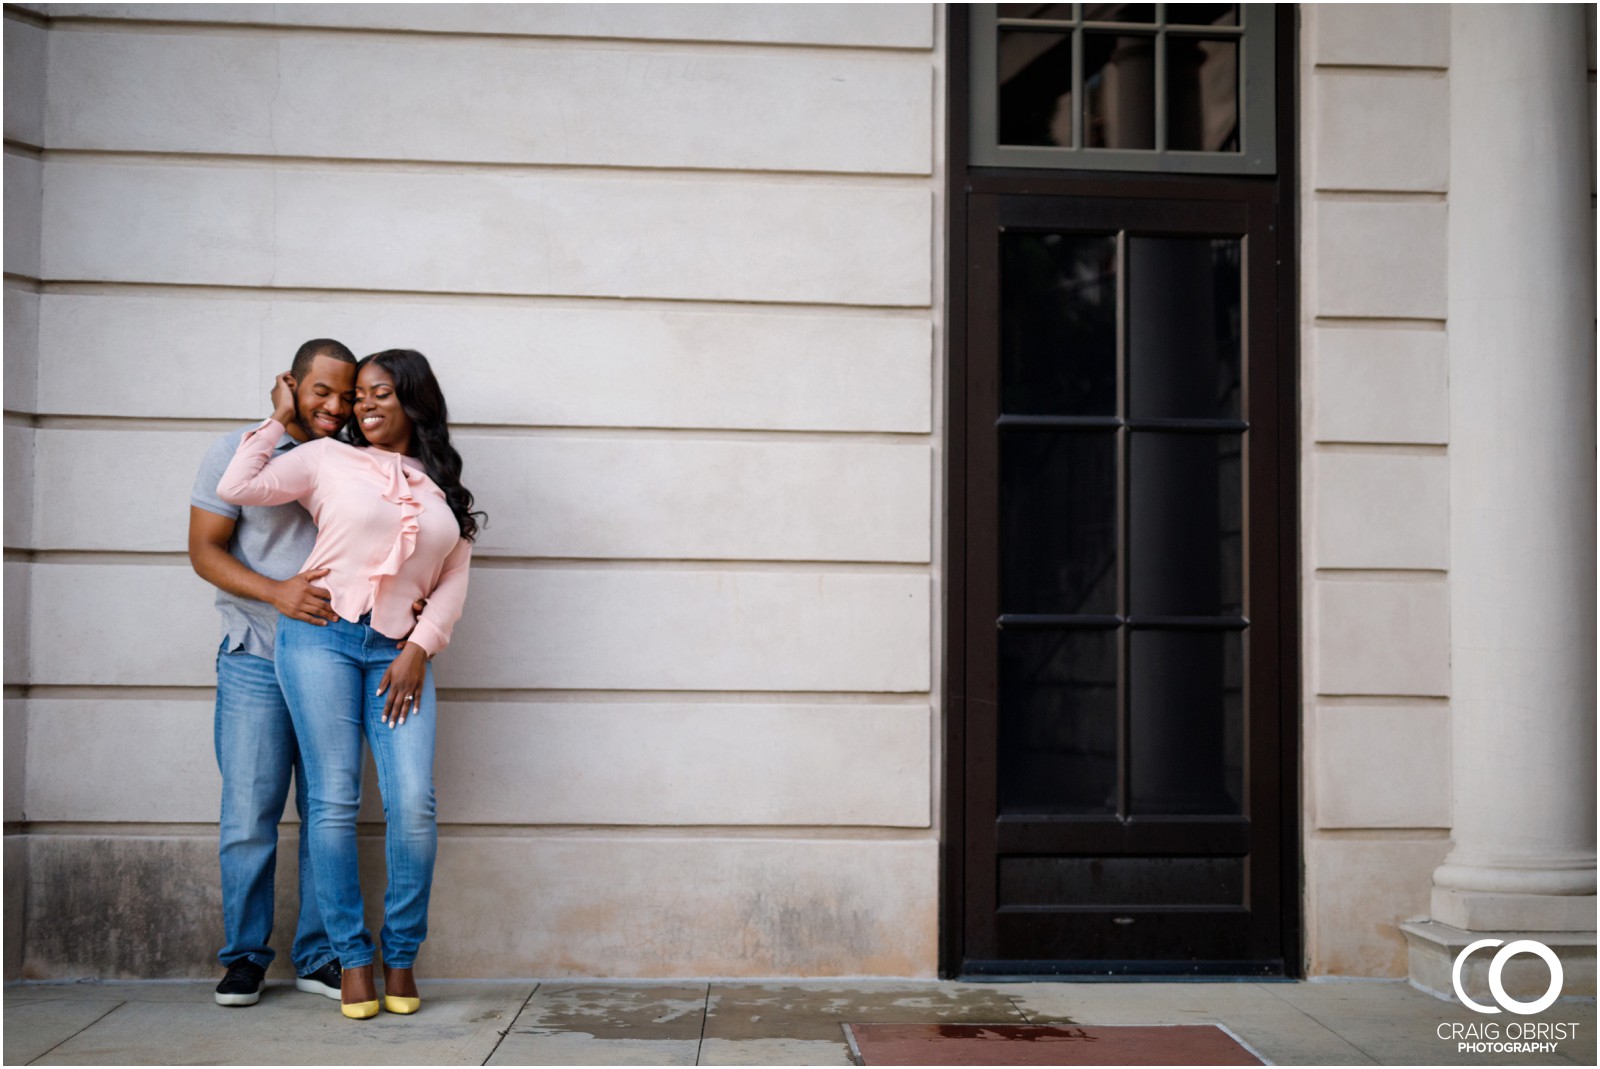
<point>1124,756</point>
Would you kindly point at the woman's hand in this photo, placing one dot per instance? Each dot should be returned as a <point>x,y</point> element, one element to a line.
<point>403,681</point>
<point>283,399</point>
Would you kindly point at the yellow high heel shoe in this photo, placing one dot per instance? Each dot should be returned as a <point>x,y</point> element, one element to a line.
<point>401,978</point>
<point>351,980</point>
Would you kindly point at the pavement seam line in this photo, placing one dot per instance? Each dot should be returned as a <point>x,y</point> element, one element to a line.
<point>1268,988</point>
<point>514,1018</point>
<point>705,1012</point>
<point>79,1032</point>
<point>1018,1007</point>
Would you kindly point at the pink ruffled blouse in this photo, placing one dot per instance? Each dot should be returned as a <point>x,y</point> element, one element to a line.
<point>384,531</point>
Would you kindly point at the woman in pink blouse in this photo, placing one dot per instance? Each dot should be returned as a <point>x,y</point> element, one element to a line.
<point>394,526</point>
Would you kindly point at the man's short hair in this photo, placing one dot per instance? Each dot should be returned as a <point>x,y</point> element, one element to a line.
<point>318,347</point>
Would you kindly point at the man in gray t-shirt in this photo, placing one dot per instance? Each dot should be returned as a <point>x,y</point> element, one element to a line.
<point>253,557</point>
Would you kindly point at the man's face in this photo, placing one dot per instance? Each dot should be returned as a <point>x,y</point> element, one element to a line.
<point>322,396</point>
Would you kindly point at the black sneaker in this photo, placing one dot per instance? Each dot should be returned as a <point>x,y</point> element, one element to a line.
<point>242,985</point>
<point>325,981</point>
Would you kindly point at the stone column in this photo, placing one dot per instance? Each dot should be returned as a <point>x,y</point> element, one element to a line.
<point>1522,486</point>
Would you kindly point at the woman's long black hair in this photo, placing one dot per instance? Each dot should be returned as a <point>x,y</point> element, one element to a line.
<point>423,403</point>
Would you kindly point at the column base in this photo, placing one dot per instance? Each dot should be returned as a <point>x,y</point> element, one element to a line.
<point>1431,949</point>
<point>1486,911</point>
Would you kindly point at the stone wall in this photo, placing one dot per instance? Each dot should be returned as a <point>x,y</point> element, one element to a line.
<point>675,267</point>
<point>1375,525</point>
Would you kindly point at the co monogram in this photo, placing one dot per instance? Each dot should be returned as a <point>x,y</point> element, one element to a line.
<point>1497,966</point>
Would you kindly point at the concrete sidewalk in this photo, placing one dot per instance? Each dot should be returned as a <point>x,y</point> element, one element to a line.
<point>730,1023</point>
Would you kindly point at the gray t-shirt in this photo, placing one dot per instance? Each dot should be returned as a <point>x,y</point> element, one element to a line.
<point>271,540</point>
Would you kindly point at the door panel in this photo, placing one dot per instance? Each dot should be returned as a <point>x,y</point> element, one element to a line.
<point>1121,584</point>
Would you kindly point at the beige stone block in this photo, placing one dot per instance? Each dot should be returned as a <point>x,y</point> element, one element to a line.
<point>657,907</point>
<point>662,497</point>
<point>150,222</point>
<point>1381,637</point>
<point>21,348</point>
<point>511,763</point>
<point>650,628</point>
<point>858,25</point>
<point>18,644</point>
<point>1359,891</point>
<point>1381,510</point>
<point>95,624</point>
<point>499,363</point>
<point>24,82</point>
<point>1434,948</point>
<point>24,180</point>
<point>166,92</point>
<point>1381,767</point>
<point>117,490</point>
<point>1484,911</point>
<point>1380,386</point>
<point>358,97</point>
<point>19,486</point>
<point>682,764</point>
<point>509,906</point>
<point>489,232</point>
<point>1375,131</point>
<point>135,907</point>
<point>16,758</point>
<point>16,900</point>
<point>116,759</point>
<point>1374,259</point>
<point>1385,35</point>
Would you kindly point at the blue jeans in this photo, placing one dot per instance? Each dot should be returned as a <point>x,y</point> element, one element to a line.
<point>330,676</point>
<point>256,753</point>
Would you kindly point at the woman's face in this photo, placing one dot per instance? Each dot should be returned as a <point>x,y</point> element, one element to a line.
<point>378,411</point>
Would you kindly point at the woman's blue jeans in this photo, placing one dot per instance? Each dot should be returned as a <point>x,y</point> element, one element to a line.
<point>330,676</point>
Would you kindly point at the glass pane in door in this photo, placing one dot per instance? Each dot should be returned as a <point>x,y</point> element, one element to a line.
<point>1185,328</point>
<point>1058,324</point>
<point>1058,522</point>
<point>1058,722</point>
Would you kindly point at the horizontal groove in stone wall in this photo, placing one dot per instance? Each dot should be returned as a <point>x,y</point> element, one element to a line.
<point>96,287</point>
<point>1380,322</point>
<point>1338,701</point>
<point>113,692</point>
<point>701,175</point>
<point>1399,70</point>
<point>100,23</point>
<point>24,148</point>
<point>65,421</point>
<point>1380,196</point>
<point>92,557</point>
<point>1389,575</point>
<point>1336,447</point>
<point>25,16</point>
<point>374,830</point>
<point>1346,834</point>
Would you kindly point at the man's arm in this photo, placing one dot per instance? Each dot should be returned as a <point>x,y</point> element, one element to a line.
<point>296,597</point>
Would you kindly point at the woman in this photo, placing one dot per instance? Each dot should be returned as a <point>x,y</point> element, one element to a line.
<point>394,525</point>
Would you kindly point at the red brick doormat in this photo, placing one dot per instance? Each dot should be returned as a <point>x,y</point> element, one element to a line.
<point>1045,1044</point>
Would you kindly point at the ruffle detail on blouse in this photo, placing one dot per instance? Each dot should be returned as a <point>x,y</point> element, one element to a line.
<point>399,491</point>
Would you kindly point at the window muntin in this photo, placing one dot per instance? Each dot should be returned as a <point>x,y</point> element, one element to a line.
<point>1133,87</point>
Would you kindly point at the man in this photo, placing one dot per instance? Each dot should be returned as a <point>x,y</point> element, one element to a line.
<point>251,556</point>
